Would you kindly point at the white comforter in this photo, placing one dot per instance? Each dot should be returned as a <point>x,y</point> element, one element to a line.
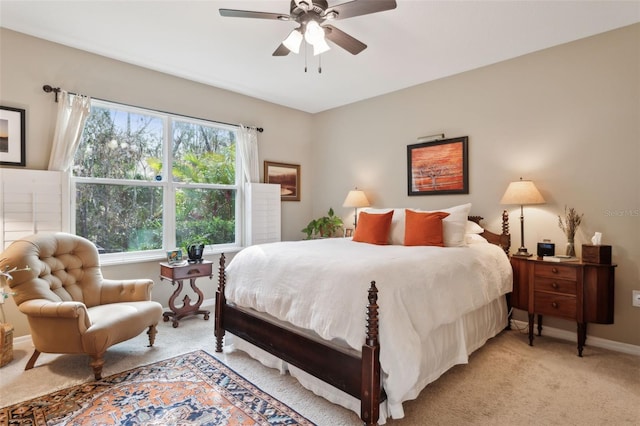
<point>321,285</point>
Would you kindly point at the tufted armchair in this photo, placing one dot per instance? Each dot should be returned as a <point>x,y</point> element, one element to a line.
<point>71,308</point>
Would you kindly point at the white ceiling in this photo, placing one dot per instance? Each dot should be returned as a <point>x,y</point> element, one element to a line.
<point>419,41</point>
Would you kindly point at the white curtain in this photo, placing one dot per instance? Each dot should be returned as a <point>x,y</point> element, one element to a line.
<point>73,111</point>
<point>248,149</point>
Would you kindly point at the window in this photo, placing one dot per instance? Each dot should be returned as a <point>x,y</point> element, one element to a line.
<point>147,181</point>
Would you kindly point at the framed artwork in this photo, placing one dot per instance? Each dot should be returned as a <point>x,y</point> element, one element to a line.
<point>438,167</point>
<point>287,175</point>
<point>12,139</point>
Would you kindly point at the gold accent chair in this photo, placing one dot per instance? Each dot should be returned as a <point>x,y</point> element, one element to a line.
<point>71,308</point>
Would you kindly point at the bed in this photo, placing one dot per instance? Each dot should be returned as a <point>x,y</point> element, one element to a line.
<point>312,308</point>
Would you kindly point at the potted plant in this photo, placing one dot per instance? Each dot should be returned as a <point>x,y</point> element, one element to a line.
<point>195,249</point>
<point>323,227</point>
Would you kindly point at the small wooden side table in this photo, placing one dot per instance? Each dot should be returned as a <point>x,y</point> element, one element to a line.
<point>176,274</point>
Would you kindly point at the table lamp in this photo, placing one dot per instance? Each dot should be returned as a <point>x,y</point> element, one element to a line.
<point>356,198</point>
<point>522,192</point>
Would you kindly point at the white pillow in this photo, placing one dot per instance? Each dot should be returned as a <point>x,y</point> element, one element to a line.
<point>455,225</point>
<point>473,228</point>
<point>396,233</point>
<point>475,239</point>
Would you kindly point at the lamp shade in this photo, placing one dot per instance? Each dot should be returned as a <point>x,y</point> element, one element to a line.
<point>522,192</point>
<point>356,198</point>
<point>293,41</point>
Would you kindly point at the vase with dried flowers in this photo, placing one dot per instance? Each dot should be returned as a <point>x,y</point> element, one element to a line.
<point>569,226</point>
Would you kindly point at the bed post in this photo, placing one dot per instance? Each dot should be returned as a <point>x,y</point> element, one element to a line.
<point>370,388</point>
<point>506,238</point>
<point>220,302</point>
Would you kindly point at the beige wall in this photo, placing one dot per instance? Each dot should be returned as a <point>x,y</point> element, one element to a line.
<point>567,118</point>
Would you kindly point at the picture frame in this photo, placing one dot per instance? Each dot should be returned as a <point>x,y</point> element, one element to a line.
<point>438,167</point>
<point>174,257</point>
<point>287,175</point>
<point>12,136</point>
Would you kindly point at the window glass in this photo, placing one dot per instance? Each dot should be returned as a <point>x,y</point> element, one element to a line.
<point>119,144</point>
<point>119,218</point>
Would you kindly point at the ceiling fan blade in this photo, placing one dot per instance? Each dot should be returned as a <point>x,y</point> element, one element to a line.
<point>250,14</point>
<point>344,40</point>
<point>361,7</point>
<point>281,50</point>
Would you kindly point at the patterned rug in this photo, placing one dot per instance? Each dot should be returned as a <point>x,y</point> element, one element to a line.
<point>191,389</point>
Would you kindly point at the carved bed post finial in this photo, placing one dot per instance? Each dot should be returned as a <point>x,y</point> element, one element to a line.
<point>370,385</point>
<point>220,303</point>
<point>505,222</point>
<point>506,238</point>
<point>372,315</point>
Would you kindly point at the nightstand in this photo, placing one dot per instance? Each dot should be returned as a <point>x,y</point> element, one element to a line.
<point>577,291</point>
<point>178,273</point>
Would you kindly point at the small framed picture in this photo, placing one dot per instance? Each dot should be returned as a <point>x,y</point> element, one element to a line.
<point>348,232</point>
<point>174,256</point>
<point>12,136</point>
<point>287,175</point>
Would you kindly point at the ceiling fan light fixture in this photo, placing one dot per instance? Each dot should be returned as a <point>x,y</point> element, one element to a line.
<point>313,32</point>
<point>320,46</point>
<point>293,41</point>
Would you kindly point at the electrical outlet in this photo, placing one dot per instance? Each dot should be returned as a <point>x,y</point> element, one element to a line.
<point>636,298</point>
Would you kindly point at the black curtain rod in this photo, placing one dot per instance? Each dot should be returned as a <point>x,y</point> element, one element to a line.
<point>47,88</point>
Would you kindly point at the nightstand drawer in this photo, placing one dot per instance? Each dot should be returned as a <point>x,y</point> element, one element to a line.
<point>190,270</point>
<point>555,285</point>
<point>555,304</point>
<point>556,271</point>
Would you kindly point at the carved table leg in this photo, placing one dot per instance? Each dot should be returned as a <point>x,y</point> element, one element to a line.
<point>539,325</point>
<point>531,316</point>
<point>582,336</point>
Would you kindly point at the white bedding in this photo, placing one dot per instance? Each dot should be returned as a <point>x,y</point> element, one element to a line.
<point>321,285</point>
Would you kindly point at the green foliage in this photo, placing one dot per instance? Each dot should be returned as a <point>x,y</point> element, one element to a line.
<point>325,226</point>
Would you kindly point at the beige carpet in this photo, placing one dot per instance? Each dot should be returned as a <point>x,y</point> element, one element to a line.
<point>505,383</point>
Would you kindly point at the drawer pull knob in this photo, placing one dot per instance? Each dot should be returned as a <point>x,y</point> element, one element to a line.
<point>554,305</point>
<point>554,270</point>
<point>193,271</point>
<point>554,285</point>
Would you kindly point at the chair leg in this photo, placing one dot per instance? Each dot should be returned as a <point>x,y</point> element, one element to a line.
<point>96,364</point>
<point>152,334</point>
<point>32,360</point>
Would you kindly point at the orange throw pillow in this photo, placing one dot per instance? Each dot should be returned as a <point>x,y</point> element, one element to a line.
<point>424,229</point>
<point>373,228</point>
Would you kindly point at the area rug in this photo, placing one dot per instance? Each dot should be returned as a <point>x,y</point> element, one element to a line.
<point>190,389</point>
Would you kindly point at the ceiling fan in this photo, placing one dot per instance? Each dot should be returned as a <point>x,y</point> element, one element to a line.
<point>311,15</point>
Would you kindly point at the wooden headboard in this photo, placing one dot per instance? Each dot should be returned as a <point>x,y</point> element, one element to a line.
<point>504,239</point>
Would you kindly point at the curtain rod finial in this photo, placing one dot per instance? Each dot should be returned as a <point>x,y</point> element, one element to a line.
<point>50,89</point>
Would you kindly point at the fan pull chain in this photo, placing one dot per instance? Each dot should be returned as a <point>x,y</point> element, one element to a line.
<point>319,64</point>
<point>305,57</point>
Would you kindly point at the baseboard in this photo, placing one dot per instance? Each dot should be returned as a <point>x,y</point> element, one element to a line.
<point>597,342</point>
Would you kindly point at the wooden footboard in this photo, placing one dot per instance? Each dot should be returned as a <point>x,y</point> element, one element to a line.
<point>359,376</point>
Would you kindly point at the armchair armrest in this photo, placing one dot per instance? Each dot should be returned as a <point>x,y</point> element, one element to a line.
<point>42,308</point>
<point>114,291</point>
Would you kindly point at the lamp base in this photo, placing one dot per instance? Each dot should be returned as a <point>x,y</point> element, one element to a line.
<point>522,252</point>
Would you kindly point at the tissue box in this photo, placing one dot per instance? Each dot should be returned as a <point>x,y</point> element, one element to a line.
<point>596,254</point>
